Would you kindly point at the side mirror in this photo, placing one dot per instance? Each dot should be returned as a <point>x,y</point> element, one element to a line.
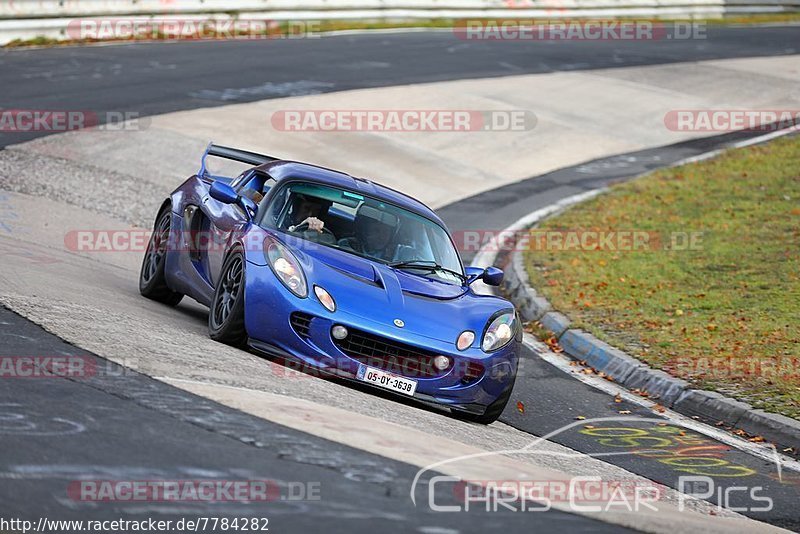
<point>491,276</point>
<point>223,192</point>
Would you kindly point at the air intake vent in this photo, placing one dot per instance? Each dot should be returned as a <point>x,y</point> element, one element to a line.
<point>301,323</point>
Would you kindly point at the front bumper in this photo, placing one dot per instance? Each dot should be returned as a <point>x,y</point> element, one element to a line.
<point>268,309</point>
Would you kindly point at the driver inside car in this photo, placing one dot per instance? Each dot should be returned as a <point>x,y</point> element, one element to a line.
<point>307,210</point>
<point>374,230</point>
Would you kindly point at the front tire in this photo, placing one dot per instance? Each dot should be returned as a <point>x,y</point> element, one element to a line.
<point>152,280</point>
<point>226,316</point>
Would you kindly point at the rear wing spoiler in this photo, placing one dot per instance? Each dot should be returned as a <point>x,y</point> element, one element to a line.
<point>243,156</point>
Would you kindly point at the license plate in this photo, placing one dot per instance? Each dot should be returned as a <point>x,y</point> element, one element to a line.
<point>386,380</point>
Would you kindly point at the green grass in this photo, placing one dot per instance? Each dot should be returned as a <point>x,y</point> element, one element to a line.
<point>283,29</point>
<point>712,315</point>
<point>36,41</point>
<point>380,24</point>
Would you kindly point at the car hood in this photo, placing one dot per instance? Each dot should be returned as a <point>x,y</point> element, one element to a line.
<point>381,294</point>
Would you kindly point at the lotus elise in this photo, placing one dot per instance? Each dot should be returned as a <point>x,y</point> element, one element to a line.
<point>343,275</point>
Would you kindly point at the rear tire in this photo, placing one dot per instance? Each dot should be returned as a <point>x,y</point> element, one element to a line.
<point>152,280</point>
<point>493,411</point>
<point>226,315</point>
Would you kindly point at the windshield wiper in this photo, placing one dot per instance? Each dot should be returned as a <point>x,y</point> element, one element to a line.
<point>428,265</point>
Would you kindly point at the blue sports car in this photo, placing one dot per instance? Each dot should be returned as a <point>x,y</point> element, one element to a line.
<point>337,273</point>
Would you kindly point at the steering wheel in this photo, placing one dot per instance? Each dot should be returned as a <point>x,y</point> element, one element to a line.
<point>303,228</point>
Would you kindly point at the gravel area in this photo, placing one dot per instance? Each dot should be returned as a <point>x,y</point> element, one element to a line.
<point>128,198</point>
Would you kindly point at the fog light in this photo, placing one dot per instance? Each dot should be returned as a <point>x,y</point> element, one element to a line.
<point>441,362</point>
<point>339,332</point>
<point>325,298</point>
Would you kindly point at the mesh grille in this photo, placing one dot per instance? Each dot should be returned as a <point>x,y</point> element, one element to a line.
<point>390,355</point>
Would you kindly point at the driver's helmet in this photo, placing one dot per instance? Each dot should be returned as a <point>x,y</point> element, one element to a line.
<point>369,216</point>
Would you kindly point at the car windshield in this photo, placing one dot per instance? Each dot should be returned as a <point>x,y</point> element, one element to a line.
<point>366,227</point>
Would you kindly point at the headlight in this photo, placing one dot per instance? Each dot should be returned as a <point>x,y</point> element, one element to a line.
<point>286,267</point>
<point>500,332</point>
<point>325,298</point>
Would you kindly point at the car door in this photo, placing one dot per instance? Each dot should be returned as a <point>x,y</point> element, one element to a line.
<point>224,221</point>
<point>229,221</point>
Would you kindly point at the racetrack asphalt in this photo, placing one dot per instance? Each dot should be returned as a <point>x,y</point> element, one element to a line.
<point>154,78</point>
<point>127,77</point>
<point>114,425</point>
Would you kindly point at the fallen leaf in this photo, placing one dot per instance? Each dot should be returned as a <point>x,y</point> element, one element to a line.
<point>520,407</point>
<point>580,418</point>
<point>618,398</point>
<point>552,343</point>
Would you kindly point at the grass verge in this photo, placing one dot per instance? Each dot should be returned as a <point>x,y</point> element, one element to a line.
<point>326,26</point>
<point>724,313</point>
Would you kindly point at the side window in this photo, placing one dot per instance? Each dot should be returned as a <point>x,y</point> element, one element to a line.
<point>278,208</point>
<point>237,182</point>
<point>255,186</point>
<point>269,183</point>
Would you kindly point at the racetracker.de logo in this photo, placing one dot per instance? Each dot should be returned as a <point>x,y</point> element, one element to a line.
<point>181,29</point>
<point>578,240</point>
<point>576,30</point>
<point>47,366</point>
<point>408,120</point>
<point>784,368</point>
<point>728,120</point>
<point>198,490</point>
<point>49,120</point>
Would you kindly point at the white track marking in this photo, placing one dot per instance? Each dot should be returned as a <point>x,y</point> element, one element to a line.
<point>568,365</point>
